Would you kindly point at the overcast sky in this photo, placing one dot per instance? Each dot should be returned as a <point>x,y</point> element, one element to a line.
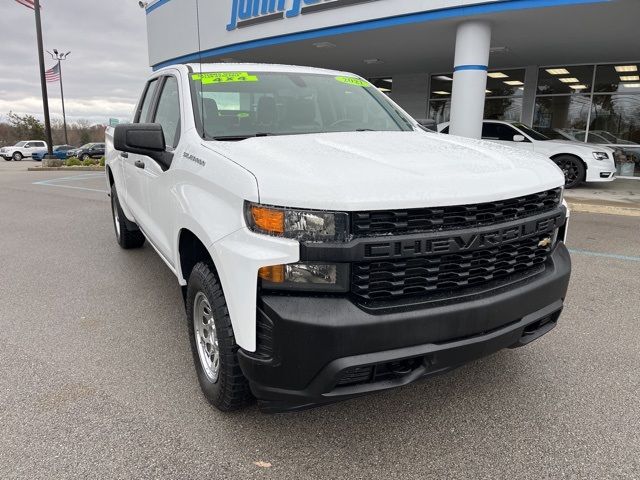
<point>102,76</point>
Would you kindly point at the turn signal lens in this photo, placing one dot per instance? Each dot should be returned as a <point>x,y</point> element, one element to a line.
<point>267,219</point>
<point>273,273</point>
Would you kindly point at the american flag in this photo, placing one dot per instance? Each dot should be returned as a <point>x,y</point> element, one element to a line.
<point>27,3</point>
<point>53,74</point>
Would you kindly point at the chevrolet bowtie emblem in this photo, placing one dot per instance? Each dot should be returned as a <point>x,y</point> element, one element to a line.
<point>545,242</point>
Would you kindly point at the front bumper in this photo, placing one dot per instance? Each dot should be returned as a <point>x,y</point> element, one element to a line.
<point>315,350</point>
<point>601,172</point>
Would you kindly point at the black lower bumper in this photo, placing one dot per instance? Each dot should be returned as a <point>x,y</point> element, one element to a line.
<point>314,350</point>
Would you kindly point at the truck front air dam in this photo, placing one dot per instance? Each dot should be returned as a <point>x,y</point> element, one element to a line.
<point>315,350</point>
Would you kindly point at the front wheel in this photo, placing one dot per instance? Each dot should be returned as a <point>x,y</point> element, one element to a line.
<point>573,169</point>
<point>17,156</point>
<point>85,156</point>
<point>213,345</point>
<point>126,237</point>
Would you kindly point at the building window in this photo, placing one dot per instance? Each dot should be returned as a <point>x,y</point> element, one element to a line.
<point>385,85</point>
<point>593,103</point>
<point>503,96</point>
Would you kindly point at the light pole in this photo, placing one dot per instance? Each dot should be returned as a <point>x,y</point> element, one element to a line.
<point>59,57</point>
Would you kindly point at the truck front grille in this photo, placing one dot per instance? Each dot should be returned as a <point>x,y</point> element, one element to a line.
<point>399,222</point>
<point>399,278</point>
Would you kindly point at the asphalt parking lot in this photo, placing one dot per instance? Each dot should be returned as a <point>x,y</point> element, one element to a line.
<point>96,376</point>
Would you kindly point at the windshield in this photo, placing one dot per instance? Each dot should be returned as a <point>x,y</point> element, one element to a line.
<point>531,132</point>
<point>86,145</point>
<point>20,144</point>
<point>237,105</point>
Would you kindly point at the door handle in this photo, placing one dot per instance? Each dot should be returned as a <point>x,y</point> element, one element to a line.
<point>124,154</point>
<point>139,164</point>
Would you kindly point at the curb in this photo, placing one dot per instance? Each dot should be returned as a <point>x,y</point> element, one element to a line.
<point>623,210</point>
<point>74,169</point>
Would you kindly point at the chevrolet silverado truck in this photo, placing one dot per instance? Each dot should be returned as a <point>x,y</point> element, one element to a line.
<point>326,245</point>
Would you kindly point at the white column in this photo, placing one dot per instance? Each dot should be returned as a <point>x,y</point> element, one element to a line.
<point>473,40</point>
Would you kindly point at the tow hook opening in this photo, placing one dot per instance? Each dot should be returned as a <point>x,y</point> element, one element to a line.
<point>382,371</point>
<point>537,329</point>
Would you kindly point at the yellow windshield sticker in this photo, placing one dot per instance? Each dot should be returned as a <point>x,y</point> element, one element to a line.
<point>357,82</point>
<point>224,77</point>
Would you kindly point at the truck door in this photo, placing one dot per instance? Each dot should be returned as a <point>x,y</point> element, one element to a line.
<point>167,113</point>
<point>133,165</point>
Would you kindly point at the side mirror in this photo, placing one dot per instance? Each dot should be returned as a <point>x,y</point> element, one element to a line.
<point>143,139</point>
<point>519,138</point>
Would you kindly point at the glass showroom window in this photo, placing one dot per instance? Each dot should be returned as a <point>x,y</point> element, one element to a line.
<point>385,85</point>
<point>615,120</point>
<point>503,96</point>
<point>599,104</point>
<point>563,102</point>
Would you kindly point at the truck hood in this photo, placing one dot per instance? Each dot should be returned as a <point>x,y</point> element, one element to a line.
<point>384,170</point>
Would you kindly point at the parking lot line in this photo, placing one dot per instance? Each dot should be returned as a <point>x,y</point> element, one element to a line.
<point>53,182</point>
<point>588,253</point>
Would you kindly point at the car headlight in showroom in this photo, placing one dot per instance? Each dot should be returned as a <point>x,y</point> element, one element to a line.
<point>304,226</point>
<point>601,155</point>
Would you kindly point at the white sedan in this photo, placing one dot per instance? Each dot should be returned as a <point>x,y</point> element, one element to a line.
<point>579,161</point>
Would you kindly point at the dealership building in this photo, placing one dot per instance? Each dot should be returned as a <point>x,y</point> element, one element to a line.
<point>569,68</point>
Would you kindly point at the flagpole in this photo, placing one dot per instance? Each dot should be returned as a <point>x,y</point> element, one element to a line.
<point>43,81</point>
<point>64,116</point>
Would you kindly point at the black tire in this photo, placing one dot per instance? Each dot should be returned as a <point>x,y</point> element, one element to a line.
<point>85,156</point>
<point>17,157</point>
<point>573,169</point>
<point>230,389</point>
<point>8,159</point>
<point>127,238</point>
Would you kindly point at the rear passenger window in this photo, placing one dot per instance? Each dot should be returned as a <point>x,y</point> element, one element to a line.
<point>143,113</point>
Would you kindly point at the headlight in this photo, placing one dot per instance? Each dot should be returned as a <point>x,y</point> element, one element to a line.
<point>308,277</point>
<point>302,225</point>
<point>601,155</point>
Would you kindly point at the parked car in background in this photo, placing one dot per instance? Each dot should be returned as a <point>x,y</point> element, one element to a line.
<point>625,151</point>
<point>22,150</point>
<point>89,150</point>
<point>59,151</point>
<point>578,161</point>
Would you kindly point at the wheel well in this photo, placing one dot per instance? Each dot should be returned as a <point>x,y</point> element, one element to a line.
<point>570,155</point>
<point>192,251</point>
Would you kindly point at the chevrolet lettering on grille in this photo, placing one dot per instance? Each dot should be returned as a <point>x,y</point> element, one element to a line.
<point>461,241</point>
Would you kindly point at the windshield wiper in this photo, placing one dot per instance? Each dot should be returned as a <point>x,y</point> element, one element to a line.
<point>236,138</point>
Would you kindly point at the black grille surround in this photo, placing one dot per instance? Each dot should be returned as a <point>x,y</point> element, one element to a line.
<point>415,220</point>
<point>396,279</point>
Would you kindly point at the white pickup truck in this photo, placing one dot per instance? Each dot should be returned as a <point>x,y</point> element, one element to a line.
<point>326,245</point>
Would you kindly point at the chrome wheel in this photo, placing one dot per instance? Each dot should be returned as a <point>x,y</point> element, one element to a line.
<point>204,329</point>
<point>116,217</point>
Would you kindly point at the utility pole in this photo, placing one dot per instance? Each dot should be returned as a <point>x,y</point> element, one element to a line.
<point>43,81</point>
<point>59,57</point>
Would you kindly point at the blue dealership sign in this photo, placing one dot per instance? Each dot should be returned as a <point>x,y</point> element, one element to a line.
<point>245,13</point>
